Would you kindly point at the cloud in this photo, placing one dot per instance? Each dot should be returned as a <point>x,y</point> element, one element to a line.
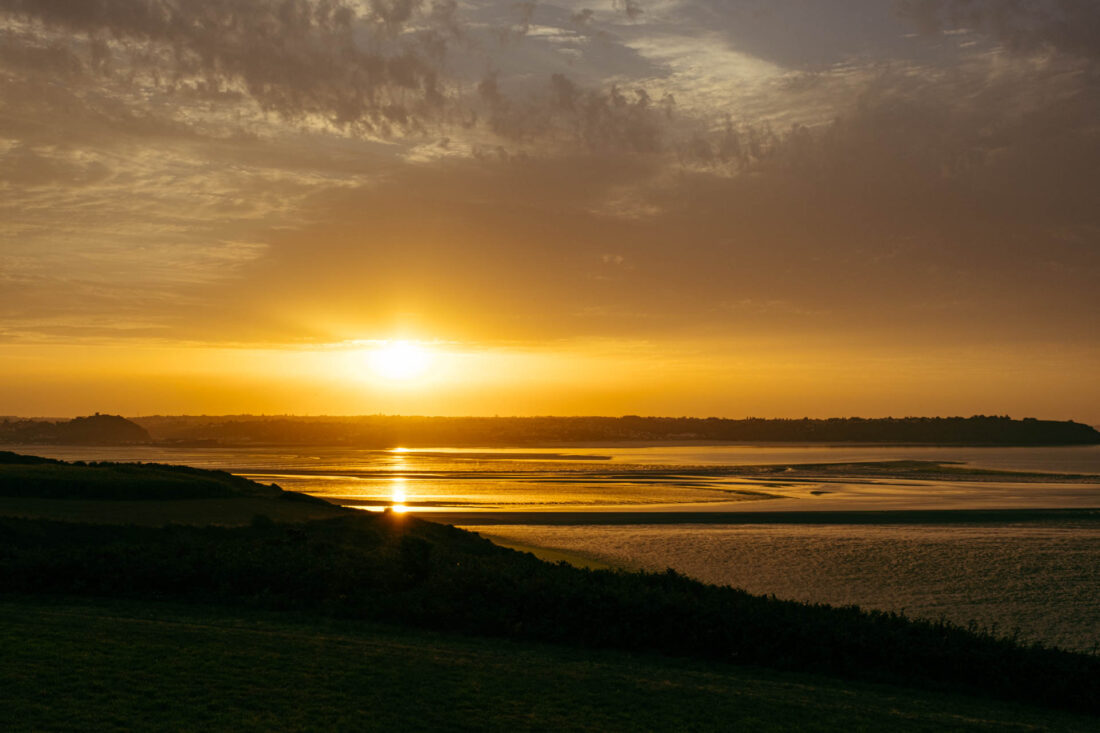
<point>572,117</point>
<point>1070,26</point>
<point>23,166</point>
<point>295,58</point>
<point>898,221</point>
<point>210,169</point>
<point>583,16</point>
<point>800,34</point>
<point>630,8</point>
<point>396,70</point>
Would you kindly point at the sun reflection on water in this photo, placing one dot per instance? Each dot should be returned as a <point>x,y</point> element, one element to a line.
<point>399,495</point>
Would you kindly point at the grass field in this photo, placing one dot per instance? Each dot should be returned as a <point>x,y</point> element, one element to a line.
<point>107,665</point>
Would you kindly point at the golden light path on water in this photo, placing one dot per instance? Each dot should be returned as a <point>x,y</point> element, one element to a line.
<point>431,481</point>
<point>399,494</point>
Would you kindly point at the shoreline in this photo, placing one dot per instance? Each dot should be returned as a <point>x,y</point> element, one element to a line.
<point>551,555</point>
<point>548,444</point>
<point>896,516</point>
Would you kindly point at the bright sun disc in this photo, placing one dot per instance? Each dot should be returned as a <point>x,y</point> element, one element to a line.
<point>400,360</point>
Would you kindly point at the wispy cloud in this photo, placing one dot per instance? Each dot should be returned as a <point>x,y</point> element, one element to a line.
<point>1068,26</point>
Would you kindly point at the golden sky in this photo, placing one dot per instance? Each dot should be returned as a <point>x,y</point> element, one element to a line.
<point>681,207</point>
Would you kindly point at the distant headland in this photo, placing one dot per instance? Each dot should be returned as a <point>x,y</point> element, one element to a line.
<point>92,430</point>
<point>391,431</point>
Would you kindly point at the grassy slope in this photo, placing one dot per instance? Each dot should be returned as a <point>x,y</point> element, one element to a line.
<point>144,494</point>
<point>230,512</point>
<point>144,666</point>
<point>553,555</point>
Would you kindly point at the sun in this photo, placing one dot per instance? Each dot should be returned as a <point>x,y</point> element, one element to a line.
<point>400,360</point>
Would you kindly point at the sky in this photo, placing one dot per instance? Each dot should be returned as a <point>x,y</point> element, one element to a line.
<point>665,207</point>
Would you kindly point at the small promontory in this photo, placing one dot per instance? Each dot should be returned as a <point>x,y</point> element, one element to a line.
<point>95,429</point>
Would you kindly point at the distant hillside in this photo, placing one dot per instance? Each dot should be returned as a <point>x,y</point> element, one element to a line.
<point>382,431</point>
<point>94,430</point>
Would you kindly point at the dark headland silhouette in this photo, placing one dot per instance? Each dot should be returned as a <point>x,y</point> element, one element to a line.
<point>92,430</point>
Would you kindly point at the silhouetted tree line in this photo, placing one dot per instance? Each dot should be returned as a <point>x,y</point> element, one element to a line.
<point>398,569</point>
<point>384,431</point>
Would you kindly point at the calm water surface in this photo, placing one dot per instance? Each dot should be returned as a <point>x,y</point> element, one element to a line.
<point>659,478</point>
<point>1042,579</point>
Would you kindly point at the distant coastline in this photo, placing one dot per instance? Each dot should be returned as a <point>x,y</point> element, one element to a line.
<point>383,431</point>
<point>393,431</point>
<point>95,429</point>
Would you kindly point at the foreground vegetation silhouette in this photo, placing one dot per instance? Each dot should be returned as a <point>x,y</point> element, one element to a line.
<point>399,569</point>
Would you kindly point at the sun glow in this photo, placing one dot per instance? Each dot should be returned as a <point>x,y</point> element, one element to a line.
<point>399,496</point>
<point>400,360</point>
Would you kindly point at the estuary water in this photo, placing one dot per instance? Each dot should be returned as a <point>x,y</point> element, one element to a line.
<point>1040,580</point>
<point>663,478</point>
<point>703,511</point>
